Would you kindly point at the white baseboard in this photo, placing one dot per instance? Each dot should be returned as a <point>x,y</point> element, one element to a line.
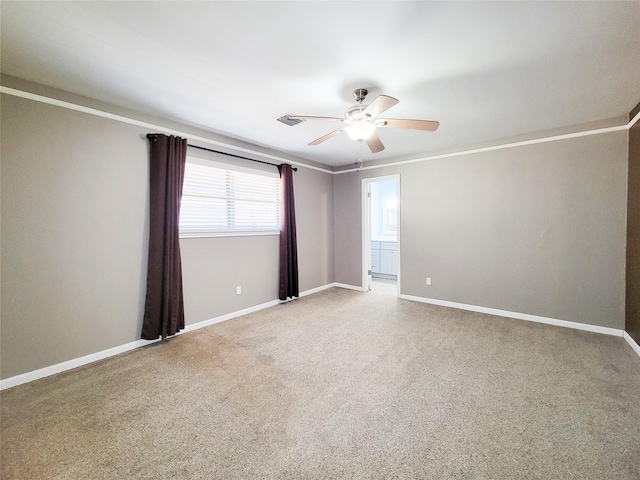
<point>317,289</point>
<point>94,357</point>
<point>227,316</point>
<point>70,364</point>
<point>632,342</point>
<point>347,286</point>
<point>520,316</point>
<point>110,352</point>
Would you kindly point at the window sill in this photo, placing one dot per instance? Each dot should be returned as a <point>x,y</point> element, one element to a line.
<point>229,234</point>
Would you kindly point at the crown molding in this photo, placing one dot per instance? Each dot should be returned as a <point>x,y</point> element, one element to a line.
<point>208,141</point>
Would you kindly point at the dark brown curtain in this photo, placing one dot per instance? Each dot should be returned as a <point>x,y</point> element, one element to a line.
<point>164,307</point>
<point>288,241</point>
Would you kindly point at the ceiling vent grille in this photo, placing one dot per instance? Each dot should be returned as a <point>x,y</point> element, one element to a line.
<point>287,120</point>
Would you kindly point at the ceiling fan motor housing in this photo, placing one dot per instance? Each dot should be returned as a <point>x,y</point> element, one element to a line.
<point>359,94</point>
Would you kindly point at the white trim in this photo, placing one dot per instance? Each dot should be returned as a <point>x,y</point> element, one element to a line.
<point>349,287</point>
<point>519,316</point>
<point>131,121</point>
<point>554,138</point>
<point>138,123</point>
<point>365,234</point>
<point>110,352</point>
<point>317,289</point>
<point>70,364</point>
<point>366,227</point>
<point>399,236</point>
<point>229,233</point>
<point>632,343</point>
<point>633,121</point>
<point>227,316</point>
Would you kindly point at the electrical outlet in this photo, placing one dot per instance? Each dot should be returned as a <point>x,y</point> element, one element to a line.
<point>238,290</point>
<point>428,280</point>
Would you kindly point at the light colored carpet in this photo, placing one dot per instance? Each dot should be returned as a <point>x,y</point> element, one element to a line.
<point>380,285</point>
<point>340,384</point>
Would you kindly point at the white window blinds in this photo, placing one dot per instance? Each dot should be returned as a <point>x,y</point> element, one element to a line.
<point>219,199</point>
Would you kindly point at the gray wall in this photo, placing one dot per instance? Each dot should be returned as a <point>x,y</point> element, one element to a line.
<point>632,303</point>
<point>537,229</point>
<point>213,267</point>
<point>74,206</point>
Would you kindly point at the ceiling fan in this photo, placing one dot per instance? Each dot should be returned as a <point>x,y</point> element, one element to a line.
<point>362,121</point>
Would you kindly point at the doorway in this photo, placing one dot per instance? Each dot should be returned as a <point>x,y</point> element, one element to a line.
<point>381,234</point>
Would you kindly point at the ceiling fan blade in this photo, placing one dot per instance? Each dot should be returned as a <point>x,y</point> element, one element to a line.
<point>380,104</point>
<point>428,125</point>
<point>312,117</point>
<point>318,141</point>
<point>374,143</point>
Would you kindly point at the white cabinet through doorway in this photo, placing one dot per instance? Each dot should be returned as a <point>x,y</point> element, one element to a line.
<point>384,258</point>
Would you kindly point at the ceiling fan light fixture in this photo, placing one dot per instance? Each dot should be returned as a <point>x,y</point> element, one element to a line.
<point>360,131</point>
<point>360,121</point>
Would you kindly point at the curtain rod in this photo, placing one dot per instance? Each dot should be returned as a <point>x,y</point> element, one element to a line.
<point>295,169</point>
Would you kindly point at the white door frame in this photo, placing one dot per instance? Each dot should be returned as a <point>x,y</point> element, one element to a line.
<point>366,228</point>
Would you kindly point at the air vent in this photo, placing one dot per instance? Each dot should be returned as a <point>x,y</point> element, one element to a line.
<point>287,120</point>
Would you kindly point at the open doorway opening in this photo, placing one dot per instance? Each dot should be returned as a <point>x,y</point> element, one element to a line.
<point>381,225</point>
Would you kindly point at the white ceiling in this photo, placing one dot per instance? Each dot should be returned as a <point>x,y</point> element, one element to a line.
<point>486,70</point>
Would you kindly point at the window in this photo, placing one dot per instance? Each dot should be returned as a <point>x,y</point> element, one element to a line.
<point>220,199</point>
